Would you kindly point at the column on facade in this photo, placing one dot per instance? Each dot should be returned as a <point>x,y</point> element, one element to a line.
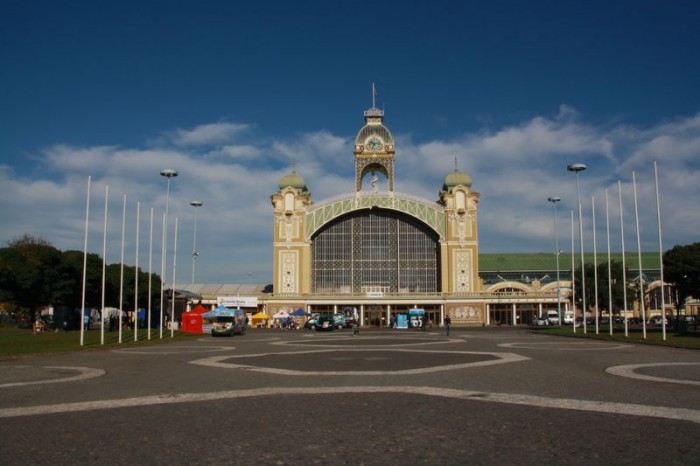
<point>335,309</point>
<point>539,310</point>
<point>388,313</point>
<point>515,314</point>
<point>362,315</point>
<point>488,314</point>
<point>442,315</point>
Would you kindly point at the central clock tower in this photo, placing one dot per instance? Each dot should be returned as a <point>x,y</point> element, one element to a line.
<point>374,150</point>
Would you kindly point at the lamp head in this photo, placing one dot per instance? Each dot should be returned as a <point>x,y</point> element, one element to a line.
<point>554,199</point>
<point>576,167</point>
<point>168,173</point>
<point>196,203</point>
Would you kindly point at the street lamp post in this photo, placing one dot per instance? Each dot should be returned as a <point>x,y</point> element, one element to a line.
<point>168,173</point>
<point>195,204</point>
<point>576,168</point>
<point>554,200</point>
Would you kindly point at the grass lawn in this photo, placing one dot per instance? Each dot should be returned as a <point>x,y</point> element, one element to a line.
<point>17,341</point>
<point>654,336</point>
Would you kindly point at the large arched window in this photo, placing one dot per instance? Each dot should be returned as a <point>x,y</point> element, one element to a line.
<point>375,250</point>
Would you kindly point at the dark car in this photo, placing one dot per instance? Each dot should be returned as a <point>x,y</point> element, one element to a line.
<point>329,322</point>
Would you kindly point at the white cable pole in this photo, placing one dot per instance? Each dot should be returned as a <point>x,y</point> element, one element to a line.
<point>573,271</point>
<point>136,278</point>
<point>607,230</point>
<point>121,268</point>
<point>639,258</point>
<point>595,270</point>
<point>583,268</point>
<point>661,253</point>
<point>85,245</point>
<point>554,200</point>
<point>104,269</point>
<point>172,304</point>
<point>150,273</point>
<point>162,280</point>
<point>624,263</point>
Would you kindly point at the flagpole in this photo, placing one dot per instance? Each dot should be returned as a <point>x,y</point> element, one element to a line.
<point>136,278</point>
<point>639,258</point>
<point>573,271</point>
<point>121,269</point>
<point>611,317</point>
<point>150,273</point>
<point>661,253</point>
<point>85,245</point>
<point>624,263</point>
<point>162,279</point>
<point>172,304</point>
<point>595,270</point>
<point>104,268</point>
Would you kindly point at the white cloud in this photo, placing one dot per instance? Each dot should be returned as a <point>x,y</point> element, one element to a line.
<point>514,168</point>
<point>212,133</point>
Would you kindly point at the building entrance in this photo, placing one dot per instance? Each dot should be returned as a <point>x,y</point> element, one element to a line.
<point>375,316</point>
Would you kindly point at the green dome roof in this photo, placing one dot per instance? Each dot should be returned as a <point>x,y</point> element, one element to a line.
<point>292,180</point>
<point>456,178</point>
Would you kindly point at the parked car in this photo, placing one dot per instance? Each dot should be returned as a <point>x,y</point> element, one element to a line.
<point>326,321</point>
<point>553,317</point>
<point>311,321</point>
<point>540,322</point>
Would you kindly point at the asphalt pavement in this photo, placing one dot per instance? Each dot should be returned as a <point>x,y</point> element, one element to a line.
<point>486,396</point>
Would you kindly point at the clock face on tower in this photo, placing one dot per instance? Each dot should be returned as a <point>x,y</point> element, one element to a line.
<point>374,144</point>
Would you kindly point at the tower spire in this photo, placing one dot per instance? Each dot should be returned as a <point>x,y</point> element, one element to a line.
<point>374,96</point>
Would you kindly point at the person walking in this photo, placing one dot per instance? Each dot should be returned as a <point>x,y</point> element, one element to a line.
<point>448,324</point>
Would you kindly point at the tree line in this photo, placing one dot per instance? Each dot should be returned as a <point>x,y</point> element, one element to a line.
<point>681,270</point>
<point>33,274</point>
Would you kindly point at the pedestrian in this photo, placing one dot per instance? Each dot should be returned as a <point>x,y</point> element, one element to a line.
<point>448,323</point>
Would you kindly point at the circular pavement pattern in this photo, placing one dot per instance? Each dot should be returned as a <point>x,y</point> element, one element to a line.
<point>565,345</point>
<point>374,341</point>
<point>334,362</point>
<point>630,371</point>
<point>15,376</point>
<point>173,349</point>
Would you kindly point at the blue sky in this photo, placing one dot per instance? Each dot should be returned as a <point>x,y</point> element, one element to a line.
<point>231,94</point>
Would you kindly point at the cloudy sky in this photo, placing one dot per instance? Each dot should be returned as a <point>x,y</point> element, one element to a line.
<point>233,94</point>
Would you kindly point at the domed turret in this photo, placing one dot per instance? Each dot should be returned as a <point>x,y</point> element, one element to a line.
<point>456,178</point>
<point>293,180</point>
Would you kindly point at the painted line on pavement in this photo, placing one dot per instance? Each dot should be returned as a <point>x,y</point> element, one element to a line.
<point>361,342</point>
<point>501,358</point>
<point>83,373</point>
<point>183,349</point>
<point>629,372</point>
<point>566,345</point>
<point>627,409</point>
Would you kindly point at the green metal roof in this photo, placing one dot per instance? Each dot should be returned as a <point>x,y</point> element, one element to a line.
<point>548,261</point>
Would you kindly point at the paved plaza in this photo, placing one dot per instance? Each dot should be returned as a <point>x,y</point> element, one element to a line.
<point>479,396</point>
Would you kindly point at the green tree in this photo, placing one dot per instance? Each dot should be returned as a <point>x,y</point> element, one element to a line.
<point>31,273</point>
<point>603,295</point>
<point>682,268</point>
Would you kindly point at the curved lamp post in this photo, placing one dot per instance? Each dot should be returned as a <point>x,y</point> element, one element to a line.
<point>195,204</point>
<point>554,200</point>
<point>577,168</point>
<point>168,173</point>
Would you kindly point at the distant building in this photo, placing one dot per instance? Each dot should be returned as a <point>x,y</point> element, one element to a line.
<point>381,253</point>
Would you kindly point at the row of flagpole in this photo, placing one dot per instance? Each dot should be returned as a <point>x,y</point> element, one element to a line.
<point>121,278</point>
<point>640,278</point>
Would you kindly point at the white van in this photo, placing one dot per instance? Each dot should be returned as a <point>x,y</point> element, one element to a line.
<point>568,318</point>
<point>553,317</point>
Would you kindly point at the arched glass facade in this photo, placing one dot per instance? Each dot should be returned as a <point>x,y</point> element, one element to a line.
<point>375,250</point>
